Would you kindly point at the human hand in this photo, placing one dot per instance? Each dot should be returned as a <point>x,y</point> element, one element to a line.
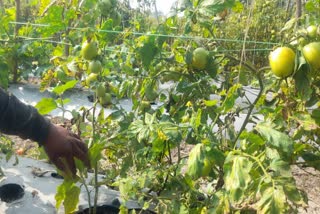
<point>62,146</point>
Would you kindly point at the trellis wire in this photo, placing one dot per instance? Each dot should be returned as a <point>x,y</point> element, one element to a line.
<point>151,34</point>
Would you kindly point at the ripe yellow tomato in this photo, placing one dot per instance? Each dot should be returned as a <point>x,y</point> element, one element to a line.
<point>282,61</point>
<point>200,58</point>
<point>311,53</point>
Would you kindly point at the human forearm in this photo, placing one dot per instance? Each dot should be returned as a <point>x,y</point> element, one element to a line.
<point>17,118</point>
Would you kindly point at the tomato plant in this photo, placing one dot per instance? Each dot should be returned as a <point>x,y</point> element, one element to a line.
<point>211,129</point>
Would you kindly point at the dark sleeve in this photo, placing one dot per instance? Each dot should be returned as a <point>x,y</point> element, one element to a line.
<point>17,118</point>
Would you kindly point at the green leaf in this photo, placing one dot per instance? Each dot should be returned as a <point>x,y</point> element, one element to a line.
<point>276,139</point>
<point>60,194</point>
<point>289,25</point>
<point>291,191</point>
<point>147,53</point>
<point>252,142</point>
<point>95,153</point>
<point>149,118</point>
<point>196,119</point>
<point>312,159</point>
<point>316,115</point>
<point>195,161</point>
<point>237,175</point>
<point>302,82</point>
<point>72,199</point>
<point>272,201</point>
<point>231,97</point>
<point>212,7</point>
<point>216,156</point>
<point>63,102</point>
<point>67,192</point>
<point>46,105</point>
<point>62,88</point>
<point>280,168</point>
<point>210,103</point>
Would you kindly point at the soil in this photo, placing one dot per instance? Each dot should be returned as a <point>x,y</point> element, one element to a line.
<point>307,179</point>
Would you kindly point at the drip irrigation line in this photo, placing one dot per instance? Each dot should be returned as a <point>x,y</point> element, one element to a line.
<point>151,34</point>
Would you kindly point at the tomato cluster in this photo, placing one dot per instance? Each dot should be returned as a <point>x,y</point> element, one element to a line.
<point>89,51</point>
<point>283,59</point>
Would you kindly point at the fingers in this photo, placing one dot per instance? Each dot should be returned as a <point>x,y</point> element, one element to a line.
<point>71,165</point>
<point>66,165</point>
<point>59,164</point>
<point>80,151</point>
<point>74,135</point>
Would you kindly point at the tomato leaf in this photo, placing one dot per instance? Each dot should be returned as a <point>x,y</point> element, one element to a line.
<point>46,105</point>
<point>195,161</point>
<point>62,88</point>
<point>302,82</point>
<point>71,201</point>
<point>272,201</point>
<point>147,53</point>
<point>237,175</point>
<point>305,121</point>
<point>276,139</point>
<point>212,7</point>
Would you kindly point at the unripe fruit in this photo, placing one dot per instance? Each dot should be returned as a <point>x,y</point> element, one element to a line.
<point>106,99</point>
<point>92,77</point>
<point>95,66</point>
<point>89,50</point>
<point>282,61</point>
<point>100,90</point>
<point>312,31</point>
<point>311,53</point>
<point>200,58</point>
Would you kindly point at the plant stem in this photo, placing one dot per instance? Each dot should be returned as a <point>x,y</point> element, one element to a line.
<point>261,166</point>
<point>96,185</point>
<point>87,190</point>
<point>245,122</point>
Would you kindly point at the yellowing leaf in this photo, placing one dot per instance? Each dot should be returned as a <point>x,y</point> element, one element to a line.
<point>237,175</point>
<point>272,201</point>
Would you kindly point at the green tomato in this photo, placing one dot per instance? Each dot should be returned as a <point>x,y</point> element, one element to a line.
<point>62,76</point>
<point>105,6</point>
<point>311,53</point>
<point>200,58</point>
<point>89,50</point>
<point>302,41</point>
<point>92,77</point>
<point>312,31</point>
<point>100,90</point>
<point>106,99</point>
<point>95,66</point>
